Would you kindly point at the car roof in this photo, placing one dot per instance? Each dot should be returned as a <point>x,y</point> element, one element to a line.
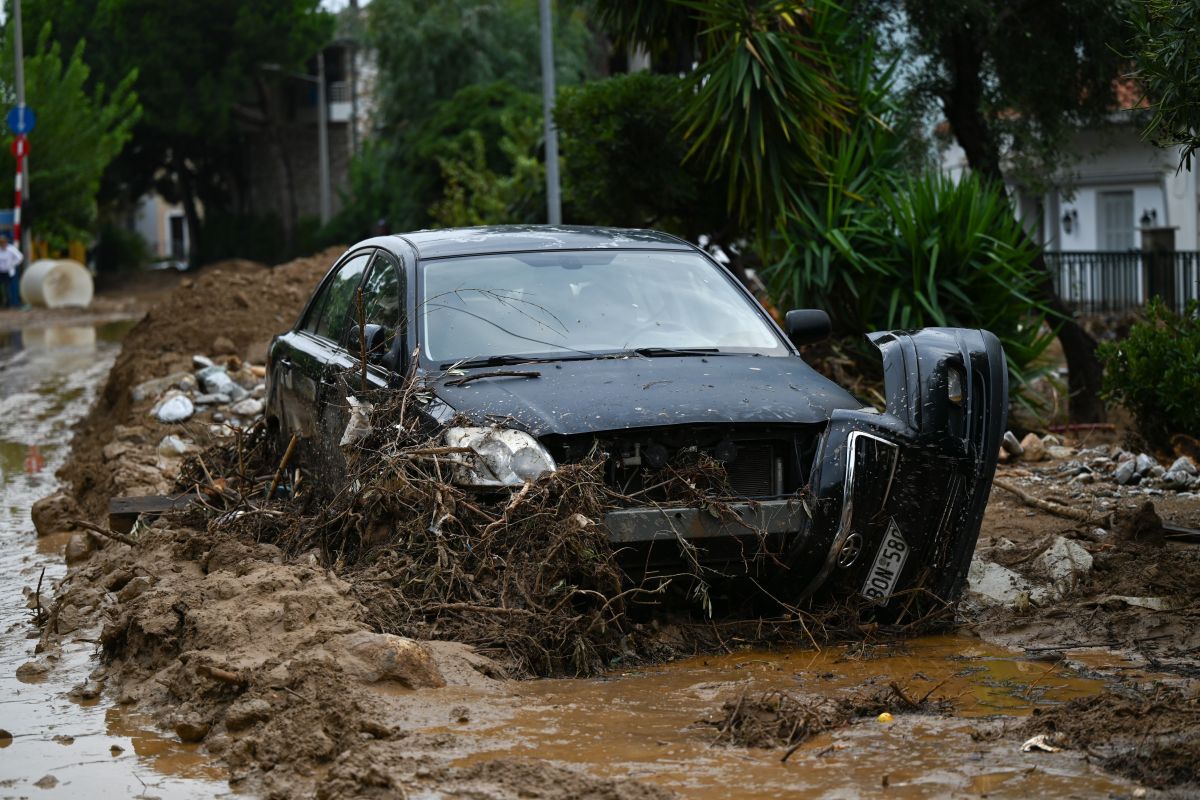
<point>520,238</point>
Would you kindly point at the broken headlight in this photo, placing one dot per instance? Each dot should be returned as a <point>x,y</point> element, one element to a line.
<point>498,457</point>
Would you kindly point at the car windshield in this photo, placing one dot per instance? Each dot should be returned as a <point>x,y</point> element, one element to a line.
<point>564,303</point>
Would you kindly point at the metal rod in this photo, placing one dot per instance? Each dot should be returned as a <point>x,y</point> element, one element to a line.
<point>323,139</point>
<point>553,196</point>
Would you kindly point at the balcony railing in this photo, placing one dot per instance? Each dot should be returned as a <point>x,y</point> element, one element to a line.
<point>1113,282</point>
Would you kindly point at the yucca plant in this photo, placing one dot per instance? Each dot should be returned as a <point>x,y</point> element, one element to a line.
<point>884,251</point>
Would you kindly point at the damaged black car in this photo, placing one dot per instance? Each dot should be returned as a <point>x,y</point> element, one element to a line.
<point>541,346</point>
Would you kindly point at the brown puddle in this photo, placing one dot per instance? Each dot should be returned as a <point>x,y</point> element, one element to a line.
<point>642,725</point>
<point>48,378</point>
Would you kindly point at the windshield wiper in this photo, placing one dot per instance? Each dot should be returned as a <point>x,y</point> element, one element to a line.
<point>654,352</point>
<point>491,361</point>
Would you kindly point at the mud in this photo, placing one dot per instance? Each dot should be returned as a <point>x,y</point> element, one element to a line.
<point>266,664</point>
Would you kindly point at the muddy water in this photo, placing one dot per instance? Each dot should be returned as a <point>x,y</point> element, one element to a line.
<point>643,725</point>
<point>48,378</point>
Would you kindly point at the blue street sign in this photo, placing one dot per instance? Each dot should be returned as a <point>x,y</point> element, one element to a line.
<point>21,120</point>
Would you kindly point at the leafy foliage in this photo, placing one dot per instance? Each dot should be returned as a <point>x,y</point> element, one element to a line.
<point>80,130</point>
<point>624,157</point>
<point>1168,68</point>
<point>765,99</point>
<point>1155,372</point>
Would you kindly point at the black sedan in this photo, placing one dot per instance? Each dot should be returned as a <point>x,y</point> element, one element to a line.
<point>558,343</point>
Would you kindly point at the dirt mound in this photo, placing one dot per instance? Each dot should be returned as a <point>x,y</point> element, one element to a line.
<point>241,301</point>
<point>1152,737</point>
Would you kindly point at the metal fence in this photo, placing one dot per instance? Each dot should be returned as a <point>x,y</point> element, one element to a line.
<point>1113,282</point>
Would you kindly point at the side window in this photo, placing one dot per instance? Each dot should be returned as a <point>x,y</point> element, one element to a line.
<point>330,312</point>
<point>382,298</point>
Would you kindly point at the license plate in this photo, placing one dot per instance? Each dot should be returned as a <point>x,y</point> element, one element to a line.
<point>889,563</point>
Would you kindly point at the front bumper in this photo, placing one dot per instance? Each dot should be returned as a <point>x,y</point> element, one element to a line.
<point>923,467</point>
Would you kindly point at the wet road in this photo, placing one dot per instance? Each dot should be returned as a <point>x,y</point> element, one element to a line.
<point>57,747</point>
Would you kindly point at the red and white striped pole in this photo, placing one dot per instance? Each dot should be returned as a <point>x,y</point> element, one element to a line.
<point>20,148</point>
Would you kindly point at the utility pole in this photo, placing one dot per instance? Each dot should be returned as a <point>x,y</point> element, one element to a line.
<point>553,195</point>
<point>19,75</point>
<point>323,138</point>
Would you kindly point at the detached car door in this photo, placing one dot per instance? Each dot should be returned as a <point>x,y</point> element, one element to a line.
<point>302,358</point>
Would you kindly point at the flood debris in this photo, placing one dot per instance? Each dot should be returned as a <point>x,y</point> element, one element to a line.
<point>788,719</point>
<point>1151,735</point>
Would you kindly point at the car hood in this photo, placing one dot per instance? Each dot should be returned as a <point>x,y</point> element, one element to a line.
<point>573,397</point>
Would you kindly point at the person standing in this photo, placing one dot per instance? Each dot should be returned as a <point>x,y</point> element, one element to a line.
<point>10,274</point>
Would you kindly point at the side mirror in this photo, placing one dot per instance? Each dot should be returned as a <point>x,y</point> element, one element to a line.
<point>807,326</point>
<point>376,341</point>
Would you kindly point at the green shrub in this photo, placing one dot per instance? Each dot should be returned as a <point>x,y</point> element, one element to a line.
<point>119,249</point>
<point>1155,372</point>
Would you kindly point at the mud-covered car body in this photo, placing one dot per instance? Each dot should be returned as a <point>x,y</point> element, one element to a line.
<point>826,492</point>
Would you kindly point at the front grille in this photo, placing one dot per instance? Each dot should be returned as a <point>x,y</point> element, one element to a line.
<point>752,471</point>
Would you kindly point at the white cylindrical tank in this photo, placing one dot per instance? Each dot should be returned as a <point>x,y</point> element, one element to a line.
<point>57,282</point>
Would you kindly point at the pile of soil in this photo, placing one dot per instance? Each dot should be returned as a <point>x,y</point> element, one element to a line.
<point>1151,736</point>
<point>241,302</point>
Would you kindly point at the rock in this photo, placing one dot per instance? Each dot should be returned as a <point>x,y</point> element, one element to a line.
<point>998,585</point>
<point>86,691</point>
<point>177,409</point>
<point>247,408</point>
<point>1144,463</point>
<point>259,391</point>
<point>156,386</point>
<point>1011,445</point>
<point>245,712</point>
<point>1176,479</point>
<point>223,346</point>
<point>173,446</point>
<point>1126,471</point>
<point>1157,471</point>
<point>53,514</point>
<point>1064,562</point>
<point>1034,449</point>
<point>188,384</point>
<point>213,379</point>
<point>114,451</point>
<point>386,657</point>
<point>200,362</point>
<point>133,588</point>
<point>79,548</point>
<point>1050,440</point>
<point>256,352</point>
<point>33,670</point>
<point>1183,464</point>
<point>5,738</point>
<point>211,399</point>
<point>191,729</point>
<point>46,782</point>
<point>1060,453</point>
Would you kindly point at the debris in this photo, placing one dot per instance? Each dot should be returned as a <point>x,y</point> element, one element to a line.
<point>156,386</point>
<point>359,424</point>
<point>1144,464</point>
<point>176,409</point>
<point>46,782</point>
<point>173,446</point>
<point>1183,464</point>
<point>385,657</point>
<point>1039,742</point>
<point>1064,562</point>
<point>201,362</point>
<point>885,717</point>
<point>53,514</point>
<point>1045,505</point>
<point>1032,448</point>
<point>5,738</point>
<point>1011,445</point>
<point>247,408</point>
<point>191,729</point>
<point>1126,472</point>
<point>1001,585</point>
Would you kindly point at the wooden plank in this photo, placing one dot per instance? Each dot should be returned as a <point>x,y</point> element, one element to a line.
<point>123,512</point>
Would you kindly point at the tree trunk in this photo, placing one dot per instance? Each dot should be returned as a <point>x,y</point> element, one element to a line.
<point>963,103</point>
<point>285,184</point>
